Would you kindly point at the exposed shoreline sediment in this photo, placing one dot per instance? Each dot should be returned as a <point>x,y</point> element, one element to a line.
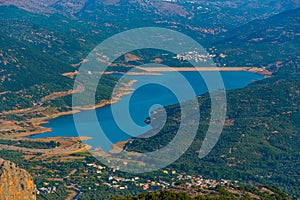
<point>151,71</point>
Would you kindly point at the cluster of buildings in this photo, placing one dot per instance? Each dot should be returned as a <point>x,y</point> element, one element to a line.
<point>165,179</point>
<point>194,56</point>
<point>203,183</point>
<point>171,1</point>
<point>172,179</point>
<point>46,190</point>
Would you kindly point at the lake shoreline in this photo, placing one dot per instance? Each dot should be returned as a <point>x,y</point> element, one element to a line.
<point>38,122</point>
<point>124,91</point>
<point>156,71</point>
<point>127,89</point>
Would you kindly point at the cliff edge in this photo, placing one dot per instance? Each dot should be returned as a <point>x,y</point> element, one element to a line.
<point>15,183</point>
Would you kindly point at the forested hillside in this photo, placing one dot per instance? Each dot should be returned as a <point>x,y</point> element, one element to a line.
<point>27,75</point>
<point>262,43</point>
<point>35,55</point>
<point>260,141</point>
<point>219,193</point>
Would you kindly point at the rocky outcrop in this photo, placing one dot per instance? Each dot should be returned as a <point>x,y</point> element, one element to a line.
<point>15,183</point>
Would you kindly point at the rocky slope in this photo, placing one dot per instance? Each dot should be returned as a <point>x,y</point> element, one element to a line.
<point>15,183</point>
<point>164,7</point>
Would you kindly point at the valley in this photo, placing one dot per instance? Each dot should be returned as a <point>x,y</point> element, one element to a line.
<point>255,45</point>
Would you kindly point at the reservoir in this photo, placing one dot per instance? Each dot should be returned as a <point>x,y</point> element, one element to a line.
<point>141,101</point>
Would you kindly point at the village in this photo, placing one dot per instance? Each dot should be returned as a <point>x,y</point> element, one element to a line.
<point>98,175</point>
<point>166,179</point>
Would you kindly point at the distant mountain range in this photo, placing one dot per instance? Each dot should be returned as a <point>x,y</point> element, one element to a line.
<point>182,8</point>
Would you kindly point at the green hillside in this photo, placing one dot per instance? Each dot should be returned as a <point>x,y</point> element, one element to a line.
<point>27,74</point>
<point>66,39</point>
<point>220,193</point>
<point>35,54</point>
<point>262,43</point>
<point>260,142</point>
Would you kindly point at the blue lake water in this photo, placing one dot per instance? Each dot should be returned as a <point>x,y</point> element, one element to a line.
<point>139,104</point>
